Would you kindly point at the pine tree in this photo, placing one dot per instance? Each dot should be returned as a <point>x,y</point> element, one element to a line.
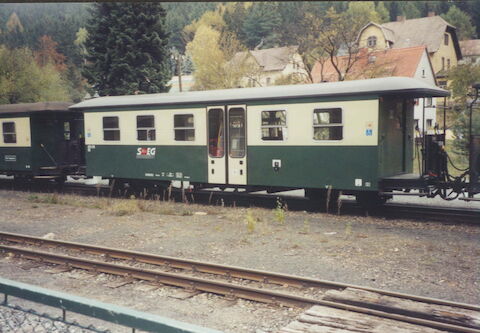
<point>127,49</point>
<point>262,25</point>
<point>462,21</point>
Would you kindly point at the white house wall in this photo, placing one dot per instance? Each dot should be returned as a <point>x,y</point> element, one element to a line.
<point>425,73</point>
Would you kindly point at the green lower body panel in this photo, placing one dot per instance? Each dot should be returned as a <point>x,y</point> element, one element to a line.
<point>342,167</point>
<point>16,159</point>
<point>187,163</point>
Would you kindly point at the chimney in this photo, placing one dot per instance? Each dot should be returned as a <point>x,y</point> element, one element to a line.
<point>401,18</point>
<point>431,14</point>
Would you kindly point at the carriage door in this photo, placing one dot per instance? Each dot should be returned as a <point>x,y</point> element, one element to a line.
<point>217,165</point>
<point>237,145</point>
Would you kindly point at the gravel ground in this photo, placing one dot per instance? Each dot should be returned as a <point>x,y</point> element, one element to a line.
<point>427,259</point>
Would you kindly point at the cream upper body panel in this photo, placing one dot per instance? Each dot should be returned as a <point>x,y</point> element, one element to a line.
<point>22,132</point>
<point>359,120</point>
<point>164,129</point>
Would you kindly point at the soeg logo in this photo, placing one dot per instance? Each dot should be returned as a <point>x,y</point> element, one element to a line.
<point>146,153</point>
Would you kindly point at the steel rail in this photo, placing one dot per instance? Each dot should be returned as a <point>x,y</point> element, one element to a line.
<point>222,288</point>
<point>227,271</point>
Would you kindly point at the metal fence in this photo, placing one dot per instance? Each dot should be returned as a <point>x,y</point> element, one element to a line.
<point>27,308</point>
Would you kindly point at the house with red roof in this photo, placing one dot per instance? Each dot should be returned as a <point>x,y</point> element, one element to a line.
<point>411,62</point>
<point>433,32</point>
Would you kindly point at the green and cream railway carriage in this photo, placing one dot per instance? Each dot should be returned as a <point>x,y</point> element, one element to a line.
<point>344,136</point>
<point>40,140</point>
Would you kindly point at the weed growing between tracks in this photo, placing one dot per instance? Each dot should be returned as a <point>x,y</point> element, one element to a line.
<point>118,207</point>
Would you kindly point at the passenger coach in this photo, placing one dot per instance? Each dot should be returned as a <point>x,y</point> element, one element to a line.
<point>346,136</point>
<point>40,140</point>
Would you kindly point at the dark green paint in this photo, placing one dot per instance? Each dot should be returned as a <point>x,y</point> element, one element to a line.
<point>121,161</point>
<point>22,159</point>
<point>46,129</point>
<point>313,166</point>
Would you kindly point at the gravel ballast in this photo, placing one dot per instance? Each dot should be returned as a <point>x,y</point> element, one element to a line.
<point>428,259</point>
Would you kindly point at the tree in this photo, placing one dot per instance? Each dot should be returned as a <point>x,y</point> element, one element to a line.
<point>23,81</point>
<point>409,9</point>
<point>80,41</point>
<point>127,49</point>
<point>383,14</point>
<point>234,16</point>
<point>212,19</point>
<point>461,79</point>
<point>335,35</point>
<point>262,26</point>
<point>14,36</point>
<point>361,12</point>
<point>212,54</point>
<point>47,54</point>
<point>462,21</point>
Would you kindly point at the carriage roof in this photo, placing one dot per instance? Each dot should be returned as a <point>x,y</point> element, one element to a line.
<point>34,107</point>
<point>377,87</point>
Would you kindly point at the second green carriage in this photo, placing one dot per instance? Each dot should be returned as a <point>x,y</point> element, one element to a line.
<point>41,140</point>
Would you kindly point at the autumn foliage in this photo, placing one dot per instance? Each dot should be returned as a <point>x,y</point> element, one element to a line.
<point>47,54</point>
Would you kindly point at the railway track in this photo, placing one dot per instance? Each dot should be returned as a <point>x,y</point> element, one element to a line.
<point>254,285</point>
<point>349,207</point>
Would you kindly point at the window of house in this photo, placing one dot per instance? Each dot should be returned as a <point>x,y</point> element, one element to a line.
<point>443,63</point>
<point>428,102</point>
<point>448,63</point>
<point>429,123</point>
<point>146,128</point>
<point>111,129</point>
<point>9,135</point>
<point>184,127</point>
<point>274,125</point>
<point>416,125</point>
<point>442,84</point>
<point>268,81</point>
<point>327,124</point>
<point>445,39</point>
<point>371,41</point>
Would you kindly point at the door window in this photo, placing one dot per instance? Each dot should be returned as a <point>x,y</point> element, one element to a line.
<point>216,136</point>
<point>236,130</point>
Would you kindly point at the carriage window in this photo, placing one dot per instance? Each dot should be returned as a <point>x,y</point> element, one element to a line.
<point>274,125</point>
<point>111,129</point>
<point>184,127</point>
<point>236,132</point>
<point>146,128</point>
<point>9,135</point>
<point>215,133</point>
<point>327,124</point>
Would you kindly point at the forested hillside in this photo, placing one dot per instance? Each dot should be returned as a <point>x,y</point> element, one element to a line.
<point>51,38</point>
